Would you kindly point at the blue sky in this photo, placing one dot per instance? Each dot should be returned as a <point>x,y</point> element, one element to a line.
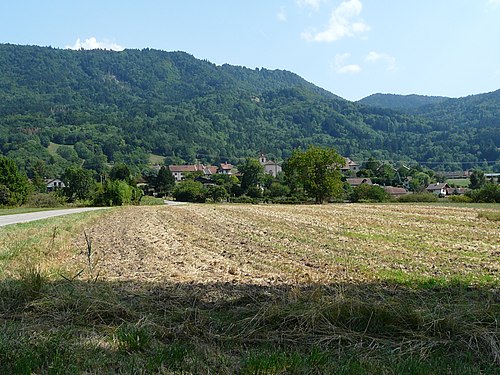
<point>352,48</point>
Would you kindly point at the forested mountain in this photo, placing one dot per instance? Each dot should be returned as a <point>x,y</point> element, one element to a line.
<point>401,102</point>
<point>101,107</point>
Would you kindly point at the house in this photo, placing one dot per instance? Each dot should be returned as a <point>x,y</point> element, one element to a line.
<point>395,191</point>
<point>178,171</point>
<point>456,191</point>
<point>350,166</point>
<point>270,166</point>
<point>225,168</point>
<point>354,182</point>
<point>439,188</point>
<point>54,184</point>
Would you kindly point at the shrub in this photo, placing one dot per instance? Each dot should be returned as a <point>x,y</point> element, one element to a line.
<point>44,200</point>
<point>189,191</point>
<point>369,193</point>
<point>278,190</point>
<point>254,192</point>
<point>489,193</point>
<point>418,197</point>
<point>245,199</point>
<point>460,199</point>
<point>288,200</point>
<point>217,193</point>
<point>116,193</point>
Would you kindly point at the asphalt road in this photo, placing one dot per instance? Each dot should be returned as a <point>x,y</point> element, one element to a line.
<point>32,216</point>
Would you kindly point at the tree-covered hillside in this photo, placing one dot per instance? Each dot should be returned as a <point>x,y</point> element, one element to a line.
<point>400,102</point>
<point>97,107</point>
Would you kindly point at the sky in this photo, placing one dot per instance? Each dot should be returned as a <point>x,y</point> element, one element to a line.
<point>353,48</point>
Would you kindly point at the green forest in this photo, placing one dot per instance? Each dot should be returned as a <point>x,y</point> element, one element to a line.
<point>96,108</point>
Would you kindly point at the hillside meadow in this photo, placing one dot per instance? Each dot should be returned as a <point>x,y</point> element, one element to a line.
<point>253,289</point>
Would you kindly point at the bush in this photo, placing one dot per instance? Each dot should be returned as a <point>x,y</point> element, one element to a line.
<point>288,200</point>
<point>489,193</point>
<point>460,199</point>
<point>116,193</point>
<point>254,192</point>
<point>189,191</point>
<point>245,199</point>
<point>418,197</point>
<point>369,193</point>
<point>278,190</point>
<point>217,193</point>
<point>44,200</point>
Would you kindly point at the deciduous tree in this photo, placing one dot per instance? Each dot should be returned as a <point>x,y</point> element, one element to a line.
<point>318,170</point>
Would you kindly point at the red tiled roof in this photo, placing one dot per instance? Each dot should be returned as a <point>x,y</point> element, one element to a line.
<point>185,168</point>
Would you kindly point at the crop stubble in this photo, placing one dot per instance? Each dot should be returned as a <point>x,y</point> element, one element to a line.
<point>271,244</point>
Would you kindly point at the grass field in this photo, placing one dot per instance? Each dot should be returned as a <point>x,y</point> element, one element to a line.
<point>253,289</point>
<point>460,182</point>
<point>156,159</point>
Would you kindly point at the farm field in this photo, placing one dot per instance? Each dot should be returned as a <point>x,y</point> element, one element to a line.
<point>268,289</point>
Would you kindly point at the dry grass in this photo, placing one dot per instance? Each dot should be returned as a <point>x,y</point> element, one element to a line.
<point>367,289</point>
<point>269,245</point>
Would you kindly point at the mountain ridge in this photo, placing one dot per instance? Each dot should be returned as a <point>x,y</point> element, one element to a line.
<point>112,106</point>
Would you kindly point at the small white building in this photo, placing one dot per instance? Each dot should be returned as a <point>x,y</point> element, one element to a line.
<point>438,188</point>
<point>54,184</point>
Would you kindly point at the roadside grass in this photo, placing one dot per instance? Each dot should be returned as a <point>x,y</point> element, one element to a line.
<point>59,315</point>
<point>148,200</point>
<point>23,210</point>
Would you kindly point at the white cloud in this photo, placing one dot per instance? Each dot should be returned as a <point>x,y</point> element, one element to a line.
<point>388,59</point>
<point>350,68</point>
<point>344,22</point>
<point>309,3</point>
<point>93,43</point>
<point>340,64</point>
<point>494,3</point>
<point>281,15</point>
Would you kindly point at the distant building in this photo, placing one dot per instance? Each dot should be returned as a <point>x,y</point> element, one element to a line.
<point>438,188</point>
<point>178,171</point>
<point>225,168</point>
<point>350,166</point>
<point>54,184</point>
<point>270,167</point>
<point>395,191</point>
<point>354,182</point>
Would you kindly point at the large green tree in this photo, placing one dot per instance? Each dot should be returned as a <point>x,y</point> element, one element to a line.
<point>252,172</point>
<point>13,185</point>
<point>164,181</point>
<point>318,171</point>
<point>79,183</point>
<point>477,179</point>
